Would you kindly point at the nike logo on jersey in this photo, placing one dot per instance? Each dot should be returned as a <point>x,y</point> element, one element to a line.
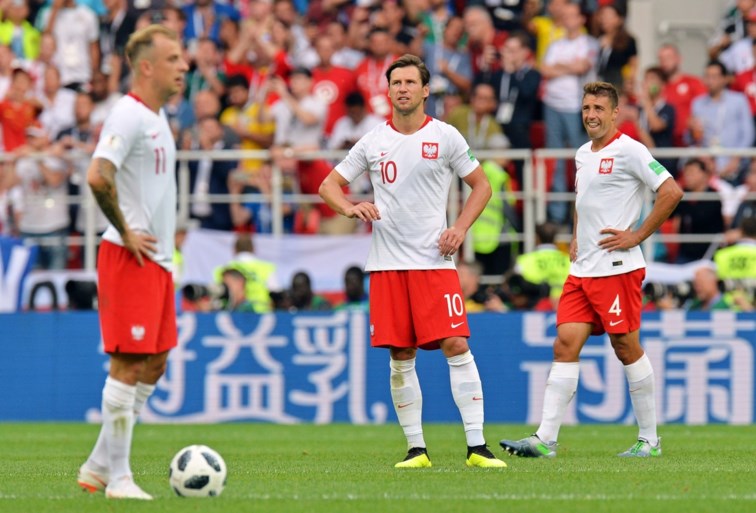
<point>383,153</point>
<point>614,323</point>
<point>477,398</point>
<point>403,405</point>
<point>457,324</point>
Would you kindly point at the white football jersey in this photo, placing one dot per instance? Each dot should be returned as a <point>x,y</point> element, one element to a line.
<point>411,177</point>
<point>140,144</point>
<point>610,185</point>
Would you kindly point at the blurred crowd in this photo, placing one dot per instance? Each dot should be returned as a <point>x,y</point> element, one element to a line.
<point>293,76</point>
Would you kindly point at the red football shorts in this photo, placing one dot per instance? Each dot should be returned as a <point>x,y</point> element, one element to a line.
<point>416,308</point>
<point>612,304</point>
<point>137,310</point>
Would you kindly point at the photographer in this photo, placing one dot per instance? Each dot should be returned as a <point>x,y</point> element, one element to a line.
<point>707,292</point>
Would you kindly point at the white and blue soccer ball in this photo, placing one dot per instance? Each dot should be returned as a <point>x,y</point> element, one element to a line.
<point>197,471</point>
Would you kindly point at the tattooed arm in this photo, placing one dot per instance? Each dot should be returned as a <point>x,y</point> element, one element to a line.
<point>101,179</point>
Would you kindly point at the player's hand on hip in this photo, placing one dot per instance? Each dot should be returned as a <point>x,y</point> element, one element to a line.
<point>140,245</point>
<point>450,241</point>
<point>618,239</point>
<point>366,211</point>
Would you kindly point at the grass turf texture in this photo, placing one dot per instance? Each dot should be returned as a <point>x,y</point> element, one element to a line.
<point>337,468</point>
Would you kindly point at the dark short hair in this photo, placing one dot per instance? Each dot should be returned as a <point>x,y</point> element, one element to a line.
<point>656,70</point>
<point>547,232</point>
<point>604,89</point>
<point>407,60</point>
<point>237,80</point>
<point>748,226</point>
<point>695,161</point>
<point>354,99</point>
<point>718,64</point>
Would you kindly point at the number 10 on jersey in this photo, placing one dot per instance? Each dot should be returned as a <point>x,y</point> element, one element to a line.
<point>388,171</point>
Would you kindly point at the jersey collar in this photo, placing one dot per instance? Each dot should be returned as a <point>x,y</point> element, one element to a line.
<point>428,119</point>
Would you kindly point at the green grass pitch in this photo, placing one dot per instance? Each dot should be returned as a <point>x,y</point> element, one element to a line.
<point>344,468</point>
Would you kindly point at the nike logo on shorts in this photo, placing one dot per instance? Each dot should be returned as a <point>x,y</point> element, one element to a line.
<point>457,324</point>
<point>614,323</point>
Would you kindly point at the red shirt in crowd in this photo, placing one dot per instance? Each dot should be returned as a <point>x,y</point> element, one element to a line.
<point>745,83</point>
<point>332,85</point>
<point>15,118</point>
<point>371,81</point>
<point>680,94</point>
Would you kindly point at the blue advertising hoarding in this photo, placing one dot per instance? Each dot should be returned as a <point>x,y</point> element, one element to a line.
<point>319,368</point>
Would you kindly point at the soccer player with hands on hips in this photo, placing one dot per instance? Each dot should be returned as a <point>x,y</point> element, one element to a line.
<point>132,176</point>
<point>602,293</point>
<point>415,296</point>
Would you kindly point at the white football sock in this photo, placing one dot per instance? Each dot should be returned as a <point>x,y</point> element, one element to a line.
<point>640,378</point>
<point>468,395</point>
<point>118,424</point>
<point>98,460</point>
<point>143,392</point>
<point>560,389</point>
<point>408,400</point>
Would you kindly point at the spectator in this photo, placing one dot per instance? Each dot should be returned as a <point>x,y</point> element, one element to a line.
<point>206,72</point>
<point>344,55</point>
<point>736,264</point>
<point>732,28</point>
<point>302,296</point>
<point>74,144</point>
<point>483,40</point>
<point>235,283</point>
<point>739,56</point>
<point>57,104</point>
<point>707,294</point>
<point>618,54</point>
<point>115,28</point>
<point>656,123</point>
<point>696,216</point>
<point>745,82</point>
<point>434,21</point>
<point>331,83</point>
<point>206,104</point>
<point>250,120</point>
<point>546,264</point>
<point>17,33</point>
<point>77,49</point>
<point>260,275</point>
<point>204,20</point>
<point>476,121</point>
<point>742,207</point>
<point>568,64</point>
<point>517,86</point>
<point>449,66</point>
<point>209,176</point>
<point>103,96</point>
<point>544,28</point>
<point>299,115</point>
<point>11,202</point>
<point>722,118</point>
<point>680,90</point>
<point>45,213</point>
<point>477,298</point>
<point>355,297</point>
<point>17,112</point>
<point>370,74</point>
<point>352,126</point>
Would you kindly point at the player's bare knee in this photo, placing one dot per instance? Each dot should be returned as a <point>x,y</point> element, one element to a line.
<point>454,346</point>
<point>566,350</point>
<point>403,353</point>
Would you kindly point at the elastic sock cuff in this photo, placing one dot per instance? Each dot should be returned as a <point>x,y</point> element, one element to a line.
<point>639,370</point>
<point>119,394</point>
<point>568,370</point>
<point>402,365</point>
<point>461,359</point>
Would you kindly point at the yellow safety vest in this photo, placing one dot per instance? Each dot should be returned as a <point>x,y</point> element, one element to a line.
<point>257,273</point>
<point>486,230</point>
<point>545,265</point>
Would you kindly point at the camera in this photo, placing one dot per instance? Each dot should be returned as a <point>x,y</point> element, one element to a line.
<point>679,293</point>
<point>215,296</point>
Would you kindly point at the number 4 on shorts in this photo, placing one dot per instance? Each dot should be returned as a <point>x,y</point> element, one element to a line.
<point>615,308</point>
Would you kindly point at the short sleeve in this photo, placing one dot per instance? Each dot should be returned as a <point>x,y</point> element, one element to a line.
<point>355,163</point>
<point>461,158</point>
<point>649,170</point>
<point>119,133</point>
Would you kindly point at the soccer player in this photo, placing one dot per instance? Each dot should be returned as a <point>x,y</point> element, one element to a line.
<point>415,296</point>
<point>132,176</point>
<point>603,290</point>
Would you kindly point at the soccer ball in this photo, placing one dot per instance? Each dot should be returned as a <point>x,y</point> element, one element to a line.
<point>197,471</point>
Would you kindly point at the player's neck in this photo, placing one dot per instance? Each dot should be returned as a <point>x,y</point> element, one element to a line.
<point>600,144</point>
<point>145,95</point>
<point>408,123</point>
